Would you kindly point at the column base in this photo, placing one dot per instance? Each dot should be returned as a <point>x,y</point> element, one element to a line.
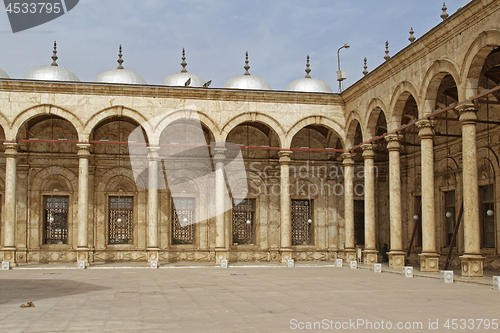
<point>333,254</point>
<point>9,254</point>
<point>429,262</point>
<point>370,256</point>
<point>285,254</point>
<point>153,254</point>
<point>472,265</point>
<point>220,254</point>
<point>274,254</point>
<point>396,259</point>
<point>82,256</point>
<point>350,254</point>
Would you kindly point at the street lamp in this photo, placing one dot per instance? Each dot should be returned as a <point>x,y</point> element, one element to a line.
<point>341,76</point>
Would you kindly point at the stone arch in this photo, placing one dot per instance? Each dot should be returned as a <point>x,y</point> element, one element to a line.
<point>432,80</point>
<point>254,117</point>
<point>474,60</point>
<point>4,124</point>
<point>314,120</point>
<point>160,123</point>
<point>40,178</point>
<point>375,107</point>
<point>487,154</point>
<point>112,177</point>
<point>353,120</point>
<point>113,111</point>
<point>404,90</point>
<point>43,109</point>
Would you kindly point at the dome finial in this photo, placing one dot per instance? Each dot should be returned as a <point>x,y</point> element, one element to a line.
<point>54,55</point>
<point>411,38</point>
<point>120,60</point>
<point>247,67</point>
<point>444,15</point>
<point>183,63</point>
<point>365,67</point>
<point>387,56</point>
<point>308,70</point>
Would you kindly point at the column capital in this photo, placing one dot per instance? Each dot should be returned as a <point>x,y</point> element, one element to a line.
<point>347,159</point>
<point>467,111</point>
<point>285,156</point>
<point>368,152</point>
<point>153,153</point>
<point>219,154</point>
<point>10,148</point>
<point>393,141</point>
<point>425,129</point>
<point>83,149</point>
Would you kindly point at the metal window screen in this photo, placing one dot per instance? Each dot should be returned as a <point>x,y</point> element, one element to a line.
<point>243,222</point>
<point>121,212</point>
<point>55,219</point>
<point>183,220</point>
<point>301,227</point>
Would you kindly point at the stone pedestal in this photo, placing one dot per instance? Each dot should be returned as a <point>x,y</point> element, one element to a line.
<point>396,259</point>
<point>82,255</point>
<point>153,254</point>
<point>220,254</point>
<point>370,256</point>
<point>350,254</point>
<point>472,265</point>
<point>429,262</point>
<point>9,254</point>
<point>285,254</point>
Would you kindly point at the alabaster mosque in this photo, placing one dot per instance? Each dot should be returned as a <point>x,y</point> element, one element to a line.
<point>401,166</point>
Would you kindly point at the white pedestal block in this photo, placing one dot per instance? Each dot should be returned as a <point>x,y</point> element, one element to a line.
<point>223,263</point>
<point>353,264</point>
<point>290,263</point>
<point>408,271</point>
<point>496,282</point>
<point>377,268</point>
<point>338,262</point>
<point>5,265</point>
<point>447,276</point>
<point>82,264</point>
<point>153,264</point>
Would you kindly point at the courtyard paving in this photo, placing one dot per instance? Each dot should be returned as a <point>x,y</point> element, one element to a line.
<point>316,298</point>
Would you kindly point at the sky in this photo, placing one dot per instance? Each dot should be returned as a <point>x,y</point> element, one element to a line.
<point>278,34</point>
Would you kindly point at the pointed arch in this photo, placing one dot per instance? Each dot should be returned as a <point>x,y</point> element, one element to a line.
<point>353,120</point>
<point>375,108</point>
<point>398,101</point>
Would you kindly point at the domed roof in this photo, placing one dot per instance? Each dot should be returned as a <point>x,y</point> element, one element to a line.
<point>247,81</point>
<point>308,84</point>
<point>3,75</point>
<point>120,74</point>
<point>184,79</point>
<point>52,72</point>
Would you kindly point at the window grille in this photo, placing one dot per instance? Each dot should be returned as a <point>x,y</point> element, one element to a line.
<point>121,212</point>
<point>243,222</point>
<point>183,219</point>
<point>301,222</point>
<point>55,219</point>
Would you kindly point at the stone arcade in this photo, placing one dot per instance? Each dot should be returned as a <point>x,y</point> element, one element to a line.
<point>374,171</point>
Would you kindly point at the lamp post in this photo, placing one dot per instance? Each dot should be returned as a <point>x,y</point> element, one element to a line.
<point>341,76</point>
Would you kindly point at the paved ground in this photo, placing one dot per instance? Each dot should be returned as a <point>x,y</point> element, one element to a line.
<point>238,299</point>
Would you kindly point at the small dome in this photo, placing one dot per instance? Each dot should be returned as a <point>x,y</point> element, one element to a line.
<point>247,81</point>
<point>52,72</point>
<point>183,79</point>
<point>120,75</point>
<point>3,75</point>
<point>308,84</point>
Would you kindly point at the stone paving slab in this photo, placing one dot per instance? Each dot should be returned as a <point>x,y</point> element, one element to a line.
<point>237,299</point>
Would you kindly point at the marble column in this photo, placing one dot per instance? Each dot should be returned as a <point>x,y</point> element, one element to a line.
<point>152,227</point>
<point>396,254</point>
<point>220,198</point>
<point>9,226</point>
<point>370,253</point>
<point>285,206</point>
<point>429,258</point>
<point>83,202</point>
<point>472,260</point>
<point>349,250</point>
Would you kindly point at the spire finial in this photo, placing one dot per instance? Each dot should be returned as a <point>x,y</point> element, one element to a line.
<point>411,38</point>
<point>120,60</point>
<point>387,57</point>
<point>183,63</point>
<point>444,15</point>
<point>247,67</point>
<point>308,70</point>
<point>365,71</point>
<point>54,55</point>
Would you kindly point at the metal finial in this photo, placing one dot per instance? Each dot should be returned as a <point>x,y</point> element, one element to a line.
<point>54,55</point>
<point>365,71</point>
<point>120,60</point>
<point>444,15</point>
<point>411,38</point>
<point>183,63</point>
<point>308,70</point>
<point>247,67</point>
<point>387,57</point>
